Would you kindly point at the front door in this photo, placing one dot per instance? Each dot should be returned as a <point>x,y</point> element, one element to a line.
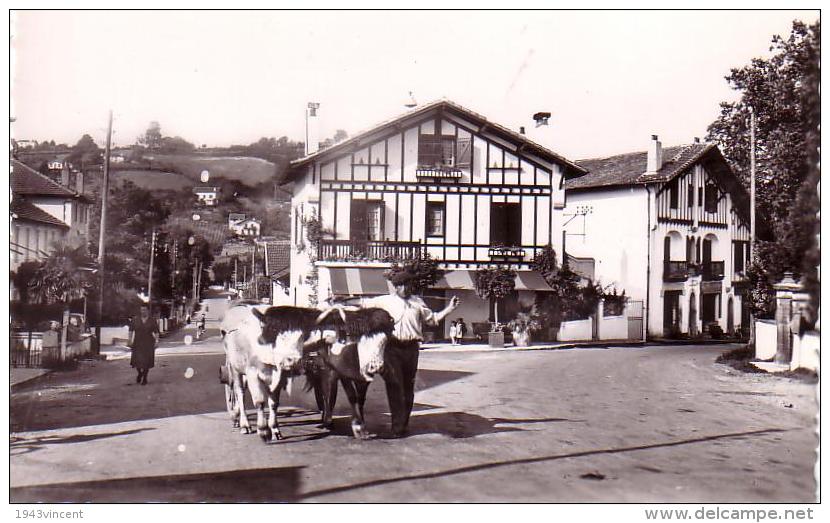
<point>671,313</point>
<point>358,229</point>
<point>730,317</point>
<point>692,315</point>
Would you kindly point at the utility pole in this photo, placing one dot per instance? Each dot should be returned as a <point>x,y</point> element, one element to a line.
<point>751,212</point>
<point>150,278</point>
<point>102,236</point>
<point>253,272</point>
<point>235,272</point>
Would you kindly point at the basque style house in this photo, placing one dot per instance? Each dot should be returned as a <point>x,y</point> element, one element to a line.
<point>671,228</point>
<point>44,213</point>
<point>440,179</point>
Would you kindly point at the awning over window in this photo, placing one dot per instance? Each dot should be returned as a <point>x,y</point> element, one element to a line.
<point>525,281</point>
<point>456,280</point>
<point>353,281</point>
<point>531,281</point>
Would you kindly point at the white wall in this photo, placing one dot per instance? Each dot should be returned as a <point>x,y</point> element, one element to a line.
<point>766,336</point>
<point>577,330</point>
<point>614,233</point>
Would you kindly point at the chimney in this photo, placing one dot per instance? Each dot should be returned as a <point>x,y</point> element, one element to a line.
<point>65,174</point>
<point>521,130</point>
<point>541,118</point>
<point>312,128</point>
<point>655,156</point>
<point>79,182</point>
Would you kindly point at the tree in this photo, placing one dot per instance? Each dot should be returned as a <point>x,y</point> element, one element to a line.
<point>496,283</point>
<point>783,92</point>
<point>424,273</point>
<point>152,136</point>
<point>85,144</point>
<point>63,277</point>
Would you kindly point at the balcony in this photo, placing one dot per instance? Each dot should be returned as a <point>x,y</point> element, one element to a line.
<point>512,254</point>
<point>362,250</point>
<point>675,270</point>
<point>712,270</point>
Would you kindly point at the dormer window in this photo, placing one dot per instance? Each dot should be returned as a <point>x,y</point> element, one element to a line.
<point>711,198</point>
<point>436,151</point>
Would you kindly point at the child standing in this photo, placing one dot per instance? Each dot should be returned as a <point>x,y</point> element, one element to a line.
<point>454,333</point>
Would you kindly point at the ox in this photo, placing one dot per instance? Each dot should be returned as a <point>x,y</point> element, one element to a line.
<point>263,350</point>
<point>352,355</point>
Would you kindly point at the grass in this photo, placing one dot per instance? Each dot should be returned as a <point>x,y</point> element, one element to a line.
<point>739,359</point>
<point>154,179</point>
<point>252,171</point>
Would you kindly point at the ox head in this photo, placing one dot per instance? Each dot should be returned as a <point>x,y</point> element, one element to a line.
<point>285,328</point>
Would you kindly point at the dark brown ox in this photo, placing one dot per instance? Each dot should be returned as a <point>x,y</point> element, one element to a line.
<point>263,350</point>
<point>352,355</point>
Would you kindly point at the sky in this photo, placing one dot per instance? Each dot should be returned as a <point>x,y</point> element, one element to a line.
<point>610,79</point>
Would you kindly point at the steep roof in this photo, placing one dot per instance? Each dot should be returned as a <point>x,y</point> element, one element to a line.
<point>27,181</point>
<point>25,210</point>
<point>443,104</point>
<point>629,168</point>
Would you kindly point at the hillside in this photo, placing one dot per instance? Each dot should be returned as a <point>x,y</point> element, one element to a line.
<point>251,171</point>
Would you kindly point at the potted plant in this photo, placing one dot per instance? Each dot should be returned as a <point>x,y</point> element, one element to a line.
<point>495,283</point>
<point>523,325</point>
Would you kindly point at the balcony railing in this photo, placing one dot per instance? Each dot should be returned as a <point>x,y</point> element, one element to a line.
<point>712,271</point>
<point>506,253</point>
<point>675,270</point>
<point>361,250</point>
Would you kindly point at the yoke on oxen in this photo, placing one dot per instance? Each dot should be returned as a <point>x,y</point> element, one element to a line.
<point>350,350</point>
<point>263,350</point>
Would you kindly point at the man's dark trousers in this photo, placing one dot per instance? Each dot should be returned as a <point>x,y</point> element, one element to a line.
<point>400,364</point>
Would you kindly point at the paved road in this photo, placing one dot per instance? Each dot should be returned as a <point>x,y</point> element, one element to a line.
<point>619,424</point>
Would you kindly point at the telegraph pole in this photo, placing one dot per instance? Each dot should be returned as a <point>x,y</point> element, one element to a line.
<point>102,235</point>
<point>751,212</point>
<point>150,278</point>
<point>751,182</point>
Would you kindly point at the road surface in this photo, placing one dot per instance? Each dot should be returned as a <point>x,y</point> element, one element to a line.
<point>644,424</point>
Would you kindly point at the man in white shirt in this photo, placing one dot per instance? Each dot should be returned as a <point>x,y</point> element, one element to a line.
<point>401,353</point>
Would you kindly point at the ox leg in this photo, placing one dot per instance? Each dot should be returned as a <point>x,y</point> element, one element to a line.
<point>259,394</point>
<point>358,425</point>
<point>241,417</point>
<point>328,391</point>
<point>273,407</point>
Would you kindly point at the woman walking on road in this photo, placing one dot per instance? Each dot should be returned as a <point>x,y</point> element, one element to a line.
<point>144,335</point>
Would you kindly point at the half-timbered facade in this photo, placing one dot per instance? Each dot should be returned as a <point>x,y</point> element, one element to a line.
<point>670,227</point>
<point>439,179</point>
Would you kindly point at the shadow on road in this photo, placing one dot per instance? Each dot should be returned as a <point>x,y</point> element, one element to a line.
<point>525,461</point>
<point>465,425</point>
<point>21,445</point>
<point>279,484</point>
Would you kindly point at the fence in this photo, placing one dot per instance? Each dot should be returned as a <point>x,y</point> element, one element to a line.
<point>24,355</point>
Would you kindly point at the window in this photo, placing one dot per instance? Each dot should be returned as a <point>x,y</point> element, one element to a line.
<point>505,224</point>
<point>673,189</point>
<point>739,257</point>
<point>691,195</point>
<point>374,219</point>
<point>700,196</point>
<point>435,218</point>
<point>436,151</point>
<point>711,204</point>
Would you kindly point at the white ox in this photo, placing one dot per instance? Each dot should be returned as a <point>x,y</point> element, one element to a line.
<point>262,348</point>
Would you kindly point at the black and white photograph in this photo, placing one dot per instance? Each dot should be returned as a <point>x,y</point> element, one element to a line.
<point>366,256</point>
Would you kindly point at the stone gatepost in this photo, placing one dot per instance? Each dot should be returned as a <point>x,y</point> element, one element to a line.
<point>784,291</point>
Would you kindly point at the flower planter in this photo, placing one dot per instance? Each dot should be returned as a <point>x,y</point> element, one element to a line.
<point>521,338</point>
<point>496,339</point>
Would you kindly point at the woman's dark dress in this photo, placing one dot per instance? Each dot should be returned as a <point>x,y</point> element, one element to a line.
<point>144,344</point>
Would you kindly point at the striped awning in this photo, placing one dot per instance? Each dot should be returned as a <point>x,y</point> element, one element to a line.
<point>354,281</point>
<point>525,281</point>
